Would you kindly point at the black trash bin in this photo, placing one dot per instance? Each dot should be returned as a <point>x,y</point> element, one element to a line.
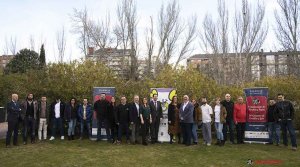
<point>2,114</point>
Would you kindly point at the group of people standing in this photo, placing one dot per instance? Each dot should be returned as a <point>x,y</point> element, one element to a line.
<point>144,118</point>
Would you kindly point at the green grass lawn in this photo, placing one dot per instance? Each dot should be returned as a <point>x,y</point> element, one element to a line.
<point>89,153</point>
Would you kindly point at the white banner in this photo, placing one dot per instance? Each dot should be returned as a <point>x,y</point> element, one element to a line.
<point>165,96</point>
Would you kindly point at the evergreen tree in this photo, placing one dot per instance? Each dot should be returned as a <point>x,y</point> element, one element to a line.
<point>42,56</point>
<point>24,60</point>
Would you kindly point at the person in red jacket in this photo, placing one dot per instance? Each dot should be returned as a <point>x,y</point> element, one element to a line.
<point>239,116</point>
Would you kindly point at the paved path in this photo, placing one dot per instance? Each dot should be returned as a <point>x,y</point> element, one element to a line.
<point>3,130</point>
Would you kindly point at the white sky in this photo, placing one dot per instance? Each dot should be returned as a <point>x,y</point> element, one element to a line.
<point>41,19</point>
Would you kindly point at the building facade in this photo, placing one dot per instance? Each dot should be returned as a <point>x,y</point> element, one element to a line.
<point>4,60</point>
<point>256,65</point>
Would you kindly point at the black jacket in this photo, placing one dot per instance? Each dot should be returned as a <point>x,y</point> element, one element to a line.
<point>70,113</point>
<point>122,114</point>
<point>284,110</point>
<point>271,114</point>
<point>112,113</point>
<point>171,113</point>
<point>155,113</point>
<point>102,108</point>
<point>133,113</point>
<point>52,110</point>
<point>229,108</point>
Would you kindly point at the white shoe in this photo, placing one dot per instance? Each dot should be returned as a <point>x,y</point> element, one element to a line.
<point>208,144</point>
<point>51,138</point>
<point>62,137</point>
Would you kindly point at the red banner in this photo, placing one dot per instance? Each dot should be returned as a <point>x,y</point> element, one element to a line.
<point>257,108</point>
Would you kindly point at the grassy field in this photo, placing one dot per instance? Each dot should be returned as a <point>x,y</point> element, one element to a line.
<point>89,153</point>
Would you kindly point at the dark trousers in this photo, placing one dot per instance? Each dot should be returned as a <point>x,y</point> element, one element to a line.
<point>154,129</point>
<point>135,130</point>
<point>228,125</point>
<point>57,123</point>
<point>114,131</point>
<point>88,127</point>
<point>123,126</point>
<point>145,130</point>
<point>288,126</point>
<point>274,130</point>
<point>106,125</point>
<point>29,124</point>
<point>240,132</point>
<point>13,127</point>
<point>187,133</point>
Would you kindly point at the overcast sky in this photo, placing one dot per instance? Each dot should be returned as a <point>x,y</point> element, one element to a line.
<point>41,19</point>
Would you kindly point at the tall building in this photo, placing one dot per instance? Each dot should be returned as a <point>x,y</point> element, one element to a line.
<point>118,60</point>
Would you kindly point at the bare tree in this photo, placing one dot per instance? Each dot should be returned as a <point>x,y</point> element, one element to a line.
<point>61,44</point>
<point>150,46</point>
<point>13,45</point>
<point>288,32</point>
<point>32,42</point>
<point>189,38</point>
<point>248,34</point>
<point>168,25</point>
<point>80,27</point>
<point>214,39</point>
<point>6,47</point>
<point>126,32</point>
<point>100,33</point>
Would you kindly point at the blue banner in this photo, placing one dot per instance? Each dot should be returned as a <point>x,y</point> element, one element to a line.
<point>109,91</point>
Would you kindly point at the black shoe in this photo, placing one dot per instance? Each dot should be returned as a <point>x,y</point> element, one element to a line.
<point>72,137</point>
<point>16,144</point>
<point>222,143</point>
<point>69,138</point>
<point>218,142</point>
<point>145,143</point>
<point>152,142</point>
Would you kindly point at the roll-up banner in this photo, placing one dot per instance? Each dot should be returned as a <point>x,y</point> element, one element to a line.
<point>109,91</point>
<point>256,126</point>
<point>165,96</point>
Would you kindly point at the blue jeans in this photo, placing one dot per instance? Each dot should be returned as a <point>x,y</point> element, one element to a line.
<point>57,123</point>
<point>229,123</point>
<point>88,127</point>
<point>287,125</point>
<point>194,132</point>
<point>219,128</point>
<point>274,130</point>
<point>71,128</point>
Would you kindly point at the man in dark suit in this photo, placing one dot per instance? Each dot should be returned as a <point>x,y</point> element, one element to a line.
<point>186,119</point>
<point>13,116</point>
<point>156,114</point>
<point>135,121</point>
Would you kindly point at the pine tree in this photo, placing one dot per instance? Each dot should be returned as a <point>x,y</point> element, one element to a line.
<point>42,56</point>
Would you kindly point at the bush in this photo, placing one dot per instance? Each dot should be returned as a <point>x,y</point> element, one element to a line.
<point>77,79</point>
